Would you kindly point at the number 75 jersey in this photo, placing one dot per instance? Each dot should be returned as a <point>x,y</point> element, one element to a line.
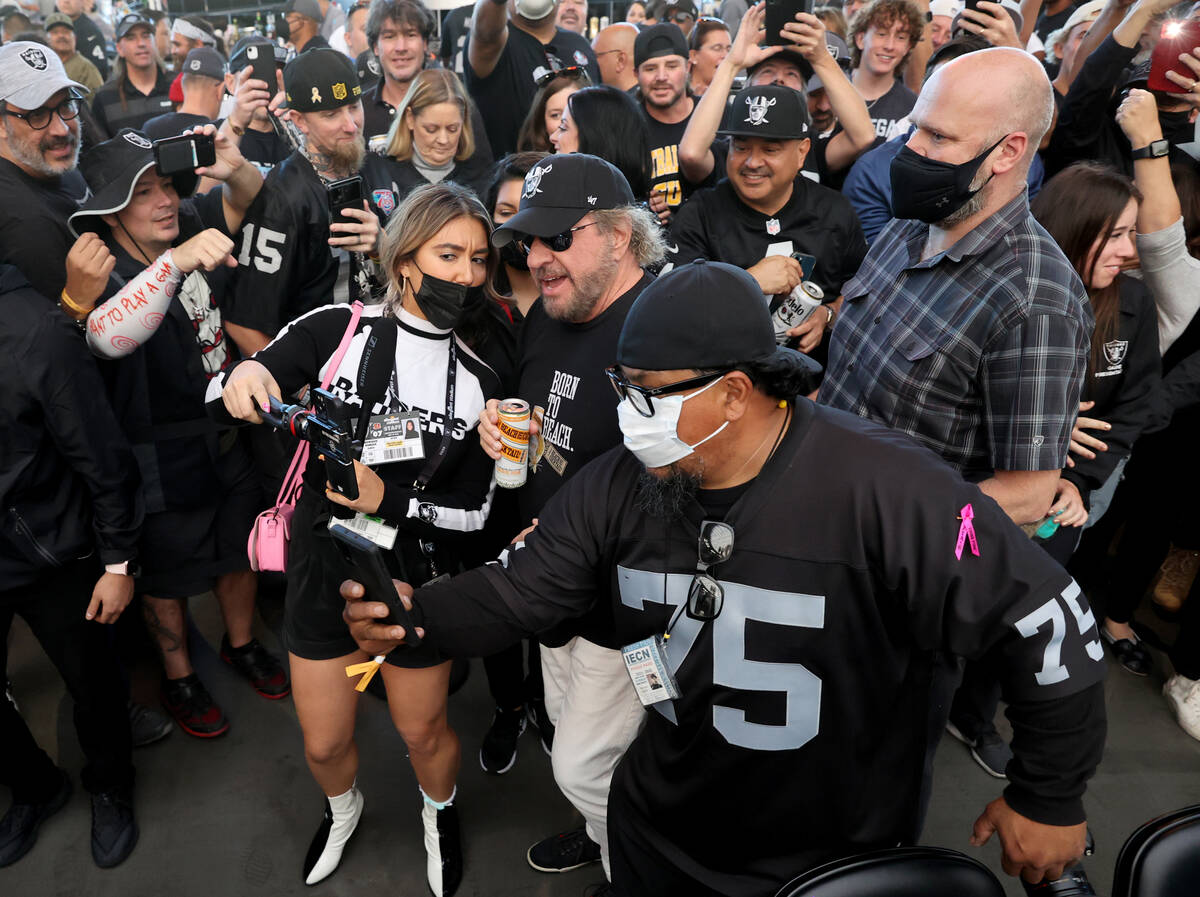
<point>804,706</point>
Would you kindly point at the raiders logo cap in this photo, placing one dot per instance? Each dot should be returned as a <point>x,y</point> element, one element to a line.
<point>32,73</point>
<point>204,61</point>
<point>321,79</point>
<point>559,191</point>
<point>663,39</point>
<point>771,110</point>
<point>727,323</point>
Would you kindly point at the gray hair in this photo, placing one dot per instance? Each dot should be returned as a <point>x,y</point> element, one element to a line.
<point>646,241</point>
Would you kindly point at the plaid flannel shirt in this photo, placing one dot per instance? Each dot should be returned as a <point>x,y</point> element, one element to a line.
<point>978,352</point>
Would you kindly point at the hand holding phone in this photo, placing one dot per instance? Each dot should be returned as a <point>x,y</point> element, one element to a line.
<point>365,560</point>
<point>1177,38</point>
<point>344,194</point>
<point>779,13</point>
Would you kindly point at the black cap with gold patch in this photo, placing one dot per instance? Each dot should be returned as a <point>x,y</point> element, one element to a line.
<point>321,79</point>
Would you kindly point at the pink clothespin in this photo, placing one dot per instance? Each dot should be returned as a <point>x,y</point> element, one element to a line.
<point>966,532</point>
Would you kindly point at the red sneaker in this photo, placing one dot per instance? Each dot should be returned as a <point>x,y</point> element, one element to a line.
<point>259,666</point>
<point>189,702</point>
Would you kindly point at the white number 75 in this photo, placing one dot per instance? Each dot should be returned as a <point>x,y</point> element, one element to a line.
<point>1052,669</point>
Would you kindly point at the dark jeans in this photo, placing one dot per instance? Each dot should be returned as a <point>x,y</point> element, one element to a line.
<point>53,606</point>
<point>511,687</point>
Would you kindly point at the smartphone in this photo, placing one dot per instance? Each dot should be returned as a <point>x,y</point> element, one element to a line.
<point>344,194</point>
<point>1177,37</point>
<point>187,152</point>
<point>779,13</point>
<point>807,264</point>
<point>365,560</point>
<point>262,65</point>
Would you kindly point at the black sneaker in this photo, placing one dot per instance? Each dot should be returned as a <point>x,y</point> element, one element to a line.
<point>189,702</point>
<point>259,667</point>
<point>19,827</point>
<point>988,749</point>
<point>114,830</point>
<point>443,849</point>
<point>499,750</point>
<point>564,852</point>
<point>1130,653</point>
<point>536,711</point>
<point>147,725</point>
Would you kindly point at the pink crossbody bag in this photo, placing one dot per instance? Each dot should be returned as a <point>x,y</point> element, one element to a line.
<point>272,530</point>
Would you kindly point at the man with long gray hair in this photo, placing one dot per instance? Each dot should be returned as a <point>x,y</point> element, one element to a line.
<point>587,245</point>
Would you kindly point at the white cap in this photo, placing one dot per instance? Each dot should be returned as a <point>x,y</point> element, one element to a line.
<point>30,74</point>
<point>1085,12</point>
<point>947,8</point>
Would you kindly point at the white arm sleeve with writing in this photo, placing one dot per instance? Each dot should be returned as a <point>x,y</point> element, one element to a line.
<point>116,327</point>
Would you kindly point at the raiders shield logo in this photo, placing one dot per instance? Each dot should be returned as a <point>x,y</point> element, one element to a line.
<point>1114,352</point>
<point>339,91</point>
<point>534,179</point>
<point>137,140</point>
<point>427,512</point>
<point>580,58</point>
<point>34,58</point>
<point>758,110</point>
<point>385,200</point>
<point>373,67</point>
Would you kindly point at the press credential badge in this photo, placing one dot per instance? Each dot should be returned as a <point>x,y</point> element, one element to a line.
<point>647,667</point>
<point>391,438</point>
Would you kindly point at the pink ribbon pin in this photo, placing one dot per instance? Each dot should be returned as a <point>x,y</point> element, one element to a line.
<point>966,531</point>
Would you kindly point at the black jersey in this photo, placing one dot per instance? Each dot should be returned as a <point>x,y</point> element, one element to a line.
<point>889,113</point>
<point>89,43</point>
<point>118,104</point>
<point>816,221</point>
<point>458,496</point>
<point>663,168</point>
<point>801,725</point>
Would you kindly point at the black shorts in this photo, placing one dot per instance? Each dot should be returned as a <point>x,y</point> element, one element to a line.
<point>313,627</point>
<point>183,551</point>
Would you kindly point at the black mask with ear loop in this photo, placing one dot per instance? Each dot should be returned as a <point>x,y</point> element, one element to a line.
<point>514,256</point>
<point>441,301</point>
<point>928,190</point>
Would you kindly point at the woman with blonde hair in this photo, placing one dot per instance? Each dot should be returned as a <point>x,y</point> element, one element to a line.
<point>431,141</point>
<point>404,360</point>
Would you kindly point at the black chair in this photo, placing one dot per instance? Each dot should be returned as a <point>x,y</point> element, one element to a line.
<point>1161,858</point>
<point>898,872</point>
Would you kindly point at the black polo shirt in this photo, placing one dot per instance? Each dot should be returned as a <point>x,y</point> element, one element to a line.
<point>114,113</point>
<point>715,224</point>
<point>505,96</point>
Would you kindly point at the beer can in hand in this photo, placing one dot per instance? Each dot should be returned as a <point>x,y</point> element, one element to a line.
<point>796,309</point>
<point>512,465</point>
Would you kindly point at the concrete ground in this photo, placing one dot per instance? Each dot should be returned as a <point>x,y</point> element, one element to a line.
<point>234,816</point>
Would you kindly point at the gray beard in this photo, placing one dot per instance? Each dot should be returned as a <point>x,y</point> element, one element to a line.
<point>580,306</point>
<point>33,159</point>
<point>975,204</point>
<point>666,498</point>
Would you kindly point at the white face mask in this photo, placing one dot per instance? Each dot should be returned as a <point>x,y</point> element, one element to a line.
<point>655,440</point>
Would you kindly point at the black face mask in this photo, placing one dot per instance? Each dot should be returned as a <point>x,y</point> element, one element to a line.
<point>1176,128</point>
<point>441,301</point>
<point>514,256</point>
<point>931,191</point>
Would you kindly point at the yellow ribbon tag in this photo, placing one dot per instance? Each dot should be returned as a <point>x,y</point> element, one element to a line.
<point>367,670</point>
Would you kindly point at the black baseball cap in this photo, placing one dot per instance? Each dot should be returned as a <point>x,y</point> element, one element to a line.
<point>663,39</point>
<point>204,61</point>
<point>771,111</point>
<point>131,21</point>
<point>792,55</point>
<point>704,315</point>
<point>559,191</point>
<point>112,169</point>
<point>307,8</point>
<point>321,79</point>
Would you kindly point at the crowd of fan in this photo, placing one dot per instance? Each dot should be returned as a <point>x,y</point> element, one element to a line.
<point>131,299</point>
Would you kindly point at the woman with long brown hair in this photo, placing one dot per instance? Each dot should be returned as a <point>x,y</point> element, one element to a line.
<point>437,257</point>
<point>1091,211</point>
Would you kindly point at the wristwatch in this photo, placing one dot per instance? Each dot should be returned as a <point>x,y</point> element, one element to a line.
<point>1155,150</point>
<point>125,568</point>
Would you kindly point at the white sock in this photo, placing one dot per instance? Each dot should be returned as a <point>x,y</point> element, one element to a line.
<point>438,805</point>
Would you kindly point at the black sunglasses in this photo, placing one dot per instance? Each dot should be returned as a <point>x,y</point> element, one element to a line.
<point>558,243</point>
<point>574,72</point>
<point>706,596</point>
<point>640,396</point>
<point>39,119</point>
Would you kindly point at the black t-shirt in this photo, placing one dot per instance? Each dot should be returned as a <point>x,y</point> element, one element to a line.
<point>504,96</point>
<point>889,113</point>
<point>34,236</point>
<point>265,149</point>
<point>816,221</point>
<point>89,43</point>
<point>808,695</point>
<point>113,113</point>
<point>663,141</point>
<point>158,391</point>
<point>1047,23</point>
<point>172,124</point>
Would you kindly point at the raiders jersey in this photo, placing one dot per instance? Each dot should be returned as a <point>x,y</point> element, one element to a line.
<point>458,496</point>
<point>802,721</point>
<point>714,224</point>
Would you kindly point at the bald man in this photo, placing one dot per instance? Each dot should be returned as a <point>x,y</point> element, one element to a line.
<point>613,47</point>
<point>968,329</point>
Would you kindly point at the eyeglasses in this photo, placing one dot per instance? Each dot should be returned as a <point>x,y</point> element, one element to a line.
<point>640,396</point>
<point>574,72</point>
<point>39,119</point>
<point>558,243</point>
<point>706,596</point>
